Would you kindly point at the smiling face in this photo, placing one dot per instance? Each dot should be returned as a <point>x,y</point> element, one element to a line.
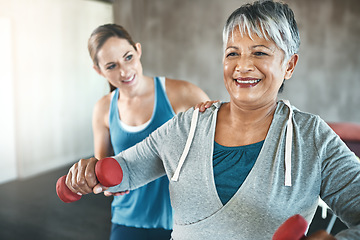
<point>254,69</point>
<point>119,62</point>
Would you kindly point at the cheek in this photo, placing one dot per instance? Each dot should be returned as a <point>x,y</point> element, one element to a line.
<point>137,64</point>
<point>112,78</point>
<point>270,70</point>
<point>227,75</point>
<point>228,70</point>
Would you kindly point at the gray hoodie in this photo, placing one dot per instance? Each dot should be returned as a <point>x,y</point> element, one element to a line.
<point>318,164</point>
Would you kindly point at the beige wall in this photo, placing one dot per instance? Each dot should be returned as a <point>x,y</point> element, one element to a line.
<point>182,39</point>
<point>7,120</point>
<point>49,83</point>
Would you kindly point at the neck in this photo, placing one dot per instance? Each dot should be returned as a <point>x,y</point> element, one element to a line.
<point>251,116</point>
<point>238,126</point>
<point>141,88</point>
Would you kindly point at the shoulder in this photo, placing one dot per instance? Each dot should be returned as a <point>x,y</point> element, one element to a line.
<point>101,110</point>
<point>309,127</point>
<point>183,94</point>
<point>204,118</point>
<point>103,104</point>
<point>310,121</point>
<point>179,126</point>
<point>300,117</point>
<point>181,85</point>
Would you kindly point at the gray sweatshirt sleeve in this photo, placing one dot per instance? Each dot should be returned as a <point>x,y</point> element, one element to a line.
<point>145,161</point>
<point>340,187</point>
<point>141,163</point>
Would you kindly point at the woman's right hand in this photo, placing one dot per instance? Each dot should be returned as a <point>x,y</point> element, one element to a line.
<point>204,105</point>
<point>108,194</point>
<point>81,178</point>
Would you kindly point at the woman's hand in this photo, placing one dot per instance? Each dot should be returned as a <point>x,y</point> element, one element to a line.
<point>320,235</point>
<point>204,105</point>
<point>81,178</point>
<point>108,194</point>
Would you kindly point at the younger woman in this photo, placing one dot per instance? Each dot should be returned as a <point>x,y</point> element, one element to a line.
<point>135,107</point>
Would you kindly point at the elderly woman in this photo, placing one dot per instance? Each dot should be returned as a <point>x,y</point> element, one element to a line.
<point>241,168</point>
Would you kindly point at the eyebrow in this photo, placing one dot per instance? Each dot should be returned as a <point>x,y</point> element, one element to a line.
<point>262,46</point>
<point>256,46</point>
<point>108,64</point>
<point>126,53</point>
<point>231,47</point>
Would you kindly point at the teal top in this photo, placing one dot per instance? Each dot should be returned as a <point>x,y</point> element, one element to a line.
<point>231,167</point>
<point>148,206</point>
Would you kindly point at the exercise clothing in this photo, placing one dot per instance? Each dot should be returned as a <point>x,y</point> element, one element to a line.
<point>148,206</point>
<point>231,167</point>
<point>321,165</point>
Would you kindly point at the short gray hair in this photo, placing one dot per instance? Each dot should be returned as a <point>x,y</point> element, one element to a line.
<point>267,19</point>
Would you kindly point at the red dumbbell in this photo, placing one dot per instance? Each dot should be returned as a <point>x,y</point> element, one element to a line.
<point>293,228</point>
<point>108,172</point>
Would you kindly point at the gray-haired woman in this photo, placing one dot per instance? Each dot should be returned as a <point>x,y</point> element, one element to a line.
<point>243,167</point>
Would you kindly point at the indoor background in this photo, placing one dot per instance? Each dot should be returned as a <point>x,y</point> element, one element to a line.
<point>48,87</point>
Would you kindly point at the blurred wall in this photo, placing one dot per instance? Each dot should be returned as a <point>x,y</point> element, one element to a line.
<point>48,86</point>
<point>48,89</point>
<point>183,39</point>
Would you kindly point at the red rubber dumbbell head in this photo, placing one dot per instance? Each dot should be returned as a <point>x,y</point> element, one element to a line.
<point>293,228</point>
<point>108,172</point>
<point>64,193</point>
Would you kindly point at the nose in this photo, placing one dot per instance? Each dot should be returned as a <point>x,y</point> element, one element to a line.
<point>123,71</point>
<point>244,64</point>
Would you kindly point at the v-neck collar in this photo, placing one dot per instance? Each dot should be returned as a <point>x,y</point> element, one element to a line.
<point>253,172</point>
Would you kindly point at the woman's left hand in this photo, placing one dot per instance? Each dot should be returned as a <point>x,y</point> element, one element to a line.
<point>204,105</point>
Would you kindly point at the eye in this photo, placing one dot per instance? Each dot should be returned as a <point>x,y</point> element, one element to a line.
<point>111,66</point>
<point>128,57</point>
<point>231,54</point>
<point>260,54</point>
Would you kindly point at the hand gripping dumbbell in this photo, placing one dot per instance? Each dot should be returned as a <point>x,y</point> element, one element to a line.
<point>293,228</point>
<point>108,172</point>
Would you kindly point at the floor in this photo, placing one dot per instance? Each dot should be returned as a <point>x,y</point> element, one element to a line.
<point>31,210</point>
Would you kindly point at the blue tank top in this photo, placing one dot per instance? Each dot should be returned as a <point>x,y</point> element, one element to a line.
<point>148,206</point>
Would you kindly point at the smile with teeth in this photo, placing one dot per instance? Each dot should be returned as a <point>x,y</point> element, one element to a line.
<point>248,81</point>
<point>129,80</point>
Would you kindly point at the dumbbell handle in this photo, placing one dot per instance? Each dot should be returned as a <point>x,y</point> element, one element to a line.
<point>107,171</point>
<point>293,228</point>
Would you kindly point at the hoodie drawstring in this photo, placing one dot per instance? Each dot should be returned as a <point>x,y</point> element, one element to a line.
<point>288,145</point>
<point>194,119</point>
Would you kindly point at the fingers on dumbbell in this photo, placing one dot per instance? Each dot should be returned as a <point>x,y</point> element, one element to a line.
<point>68,182</point>
<point>75,182</point>
<point>79,181</point>
<point>90,175</point>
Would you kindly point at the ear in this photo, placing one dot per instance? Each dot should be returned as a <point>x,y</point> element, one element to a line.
<point>138,49</point>
<point>97,69</point>
<point>290,66</point>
